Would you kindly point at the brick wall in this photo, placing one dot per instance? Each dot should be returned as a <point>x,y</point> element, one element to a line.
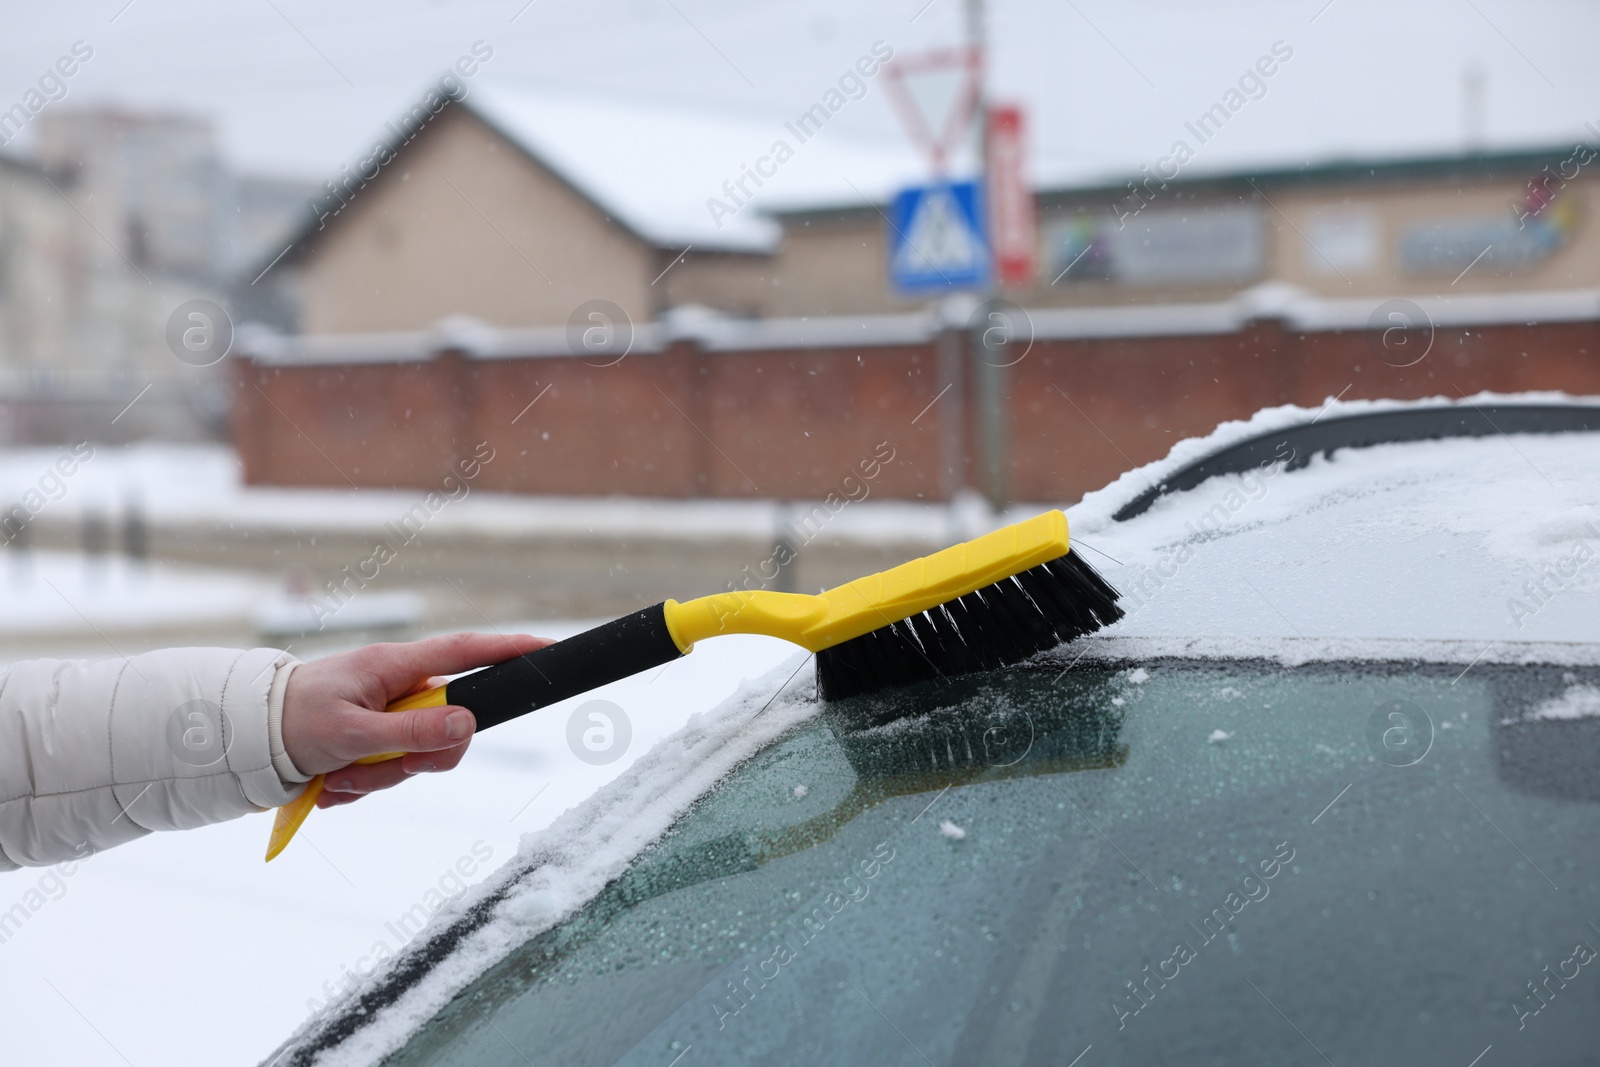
<point>792,424</point>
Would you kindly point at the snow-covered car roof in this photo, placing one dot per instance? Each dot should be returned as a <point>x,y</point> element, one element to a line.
<point>1440,546</point>
<point>1480,549</point>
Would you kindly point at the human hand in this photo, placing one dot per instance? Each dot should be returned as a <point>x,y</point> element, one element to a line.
<point>333,711</point>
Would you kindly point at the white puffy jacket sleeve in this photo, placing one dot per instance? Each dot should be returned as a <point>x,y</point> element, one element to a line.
<point>93,754</point>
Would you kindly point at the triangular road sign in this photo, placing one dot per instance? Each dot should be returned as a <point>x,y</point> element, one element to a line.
<point>935,94</point>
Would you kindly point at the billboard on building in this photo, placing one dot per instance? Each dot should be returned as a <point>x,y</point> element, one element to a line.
<point>1170,246</point>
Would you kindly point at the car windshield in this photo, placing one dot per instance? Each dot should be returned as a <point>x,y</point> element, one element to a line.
<point>1182,862</point>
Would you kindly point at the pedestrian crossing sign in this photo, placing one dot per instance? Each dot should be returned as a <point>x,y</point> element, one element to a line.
<point>938,241</point>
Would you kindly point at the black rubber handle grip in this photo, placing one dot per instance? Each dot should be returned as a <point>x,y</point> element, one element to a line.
<point>587,661</point>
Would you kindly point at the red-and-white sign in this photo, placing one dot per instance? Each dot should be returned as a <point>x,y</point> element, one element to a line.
<point>935,94</point>
<point>1010,198</point>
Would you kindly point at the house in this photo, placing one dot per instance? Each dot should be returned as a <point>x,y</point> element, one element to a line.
<point>561,275</point>
<point>515,209</point>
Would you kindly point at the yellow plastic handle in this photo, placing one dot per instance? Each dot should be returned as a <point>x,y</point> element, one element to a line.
<point>291,815</point>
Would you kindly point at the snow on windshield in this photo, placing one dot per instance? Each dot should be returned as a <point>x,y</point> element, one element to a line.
<point>1578,702</point>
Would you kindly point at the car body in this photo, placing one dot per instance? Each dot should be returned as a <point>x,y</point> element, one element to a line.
<point>1328,793</point>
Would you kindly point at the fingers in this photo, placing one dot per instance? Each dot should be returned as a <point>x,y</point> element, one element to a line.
<point>400,665</point>
<point>424,730</point>
<point>357,780</point>
<point>333,709</point>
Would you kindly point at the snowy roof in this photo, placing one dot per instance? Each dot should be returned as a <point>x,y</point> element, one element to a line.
<point>654,166</point>
<point>1297,309</point>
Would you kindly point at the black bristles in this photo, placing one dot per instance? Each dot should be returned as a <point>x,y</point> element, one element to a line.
<point>997,626</point>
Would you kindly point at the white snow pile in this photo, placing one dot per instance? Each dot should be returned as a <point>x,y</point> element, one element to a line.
<point>693,153</point>
<point>952,831</point>
<point>53,592</point>
<point>1113,649</point>
<point>203,484</point>
<point>1096,508</point>
<point>559,869</point>
<point>288,615</point>
<point>1447,549</point>
<point>1578,702</point>
<point>1218,736</point>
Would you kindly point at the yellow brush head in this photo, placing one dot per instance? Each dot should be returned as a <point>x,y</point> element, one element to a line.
<point>866,604</point>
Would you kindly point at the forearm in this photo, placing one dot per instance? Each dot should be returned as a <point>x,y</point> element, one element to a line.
<point>94,754</point>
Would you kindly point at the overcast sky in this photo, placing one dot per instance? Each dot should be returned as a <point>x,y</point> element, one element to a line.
<point>299,86</point>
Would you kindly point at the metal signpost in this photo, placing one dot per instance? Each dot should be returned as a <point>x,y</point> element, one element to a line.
<point>965,237</point>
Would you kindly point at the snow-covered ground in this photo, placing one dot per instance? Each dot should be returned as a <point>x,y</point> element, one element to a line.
<point>54,592</point>
<point>48,592</point>
<point>1455,550</point>
<point>202,483</point>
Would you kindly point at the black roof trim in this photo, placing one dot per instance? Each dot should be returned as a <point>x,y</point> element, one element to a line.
<point>1520,163</point>
<point>1363,431</point>
<point>11,161</point>
<point>1523,162</point>
<point>395,142</point>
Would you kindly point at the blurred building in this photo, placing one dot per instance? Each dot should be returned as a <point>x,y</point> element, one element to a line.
<point>516,209</point>
<point>117,219</point>
<point>152,183</point>
<point>36,271</point>
<point>455,280</point>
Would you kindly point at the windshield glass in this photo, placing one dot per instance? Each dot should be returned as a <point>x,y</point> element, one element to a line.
<point>1182,863</point>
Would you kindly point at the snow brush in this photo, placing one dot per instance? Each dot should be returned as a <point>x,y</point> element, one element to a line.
<point>989,603</point>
